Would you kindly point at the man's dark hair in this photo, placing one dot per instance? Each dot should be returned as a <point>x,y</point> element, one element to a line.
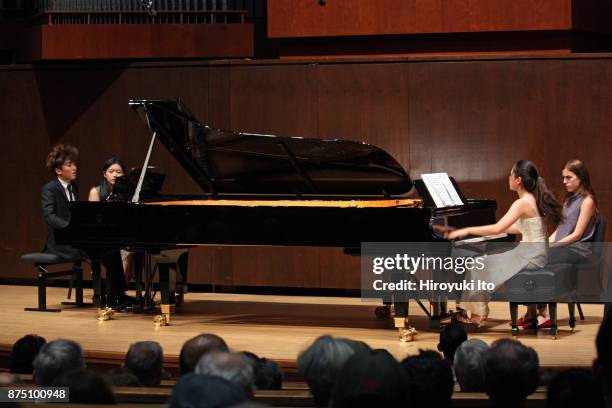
<point>450,338</point>
<point>86,387</point>
<point>370,379</point>
<point>234,367</point>
<point>574,388</point>
<point>268,375</point>
<point>469,365</point>
<point>321,362</point>
<point>23,353</point>
<point>511,372</point>
<point>429,379</point>
<point>58,156</point>
<point>146,360</point>
<point>55,358</point>
<point>250,356</point>
<point>196,347</point>
<point>202,391</point>
<point>121,377</point>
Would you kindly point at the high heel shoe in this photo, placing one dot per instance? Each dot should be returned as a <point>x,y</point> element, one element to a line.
<point>544,322</point>
<point>476,323</point>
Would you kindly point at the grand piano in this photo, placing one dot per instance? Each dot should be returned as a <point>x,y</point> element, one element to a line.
<point>262,190</point>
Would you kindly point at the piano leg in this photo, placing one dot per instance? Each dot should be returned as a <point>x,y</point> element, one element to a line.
<point>406,332</point>
<point>99,299</point>
<point>138,267</point>
<point>99,287</point>
<point>166,301</point>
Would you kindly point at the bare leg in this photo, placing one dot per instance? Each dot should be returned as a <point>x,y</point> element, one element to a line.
<point>128,268</point>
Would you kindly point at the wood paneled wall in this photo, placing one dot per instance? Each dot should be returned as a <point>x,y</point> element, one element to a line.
<point>50,42</point>
<point>469,117</point>
<point>308,18</point>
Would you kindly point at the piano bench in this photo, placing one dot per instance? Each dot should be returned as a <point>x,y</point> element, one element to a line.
<point>42,261</point>
<point>548,285</point>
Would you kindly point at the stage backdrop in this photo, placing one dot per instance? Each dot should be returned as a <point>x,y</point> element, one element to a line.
<point>471,118</point>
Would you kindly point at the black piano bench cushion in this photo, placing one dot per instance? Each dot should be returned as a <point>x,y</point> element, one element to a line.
<point>45,258</point>
<point>549,284</point>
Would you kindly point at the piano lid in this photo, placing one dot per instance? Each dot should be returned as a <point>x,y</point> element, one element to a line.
<point>225,162</point>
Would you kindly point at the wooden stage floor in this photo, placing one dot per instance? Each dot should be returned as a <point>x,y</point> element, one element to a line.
<point>277,327</point>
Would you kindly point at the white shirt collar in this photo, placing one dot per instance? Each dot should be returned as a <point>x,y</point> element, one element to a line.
<point>64,183</point>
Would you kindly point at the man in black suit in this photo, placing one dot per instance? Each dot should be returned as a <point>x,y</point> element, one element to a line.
<point>56,195</point>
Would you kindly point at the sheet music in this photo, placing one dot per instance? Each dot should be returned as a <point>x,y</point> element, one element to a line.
<point>441,189</point>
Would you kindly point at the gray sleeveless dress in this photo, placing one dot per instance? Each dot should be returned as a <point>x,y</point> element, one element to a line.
<point>571,212</point>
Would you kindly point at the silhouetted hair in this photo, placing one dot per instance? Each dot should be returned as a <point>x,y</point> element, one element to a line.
<point>24,351</point>
<point>371,378</point>
<point>603,363</point>
<point>511,372</point>
<point>429,379</point>
<point>450,338</point>
<point>574,388</point>
<point>321,362</point>
<point>121,377</point>
<point>469,365</point>
<point>251,357</point>
<point>203,391</point>
<point>196,347</point>
<point>59,154</point>
<point>268,375</point>
<point>580,170</point>
<point>104,187</point>
<point>55,358</point>
<point>234,367</point>
<point>548,206</point>
<point>86,387</point>
<point>146,360</point>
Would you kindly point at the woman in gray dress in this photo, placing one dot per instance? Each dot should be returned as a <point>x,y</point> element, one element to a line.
<point>570,243</point>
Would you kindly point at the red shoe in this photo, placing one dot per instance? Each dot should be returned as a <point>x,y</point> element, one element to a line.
<point>525,323</point>
<point>546,324</point>
<point>528,324</point>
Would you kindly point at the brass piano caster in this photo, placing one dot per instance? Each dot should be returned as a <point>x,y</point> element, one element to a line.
<point>407,334</point>
<point>161,320</point>
<point>105,314</point>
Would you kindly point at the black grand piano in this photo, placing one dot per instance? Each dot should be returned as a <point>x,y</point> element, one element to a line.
<point>261,190</point>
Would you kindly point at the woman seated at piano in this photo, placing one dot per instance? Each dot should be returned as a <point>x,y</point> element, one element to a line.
<point>528,216</point>
<point>570,241</point>
<point>111,169</point>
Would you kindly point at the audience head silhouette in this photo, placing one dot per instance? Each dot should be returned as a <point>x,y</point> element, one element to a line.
<point>146,360</point>
<point>321,362</point>
<point>511,372</point>
<point>196,347</point>
<point>24,351</point>
<point>56,358</point>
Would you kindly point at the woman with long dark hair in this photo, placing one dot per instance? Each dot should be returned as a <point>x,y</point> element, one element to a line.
<point>111,169</point>
<point>527,216</point>
<point>570,241</point>
<point>579,211</point>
